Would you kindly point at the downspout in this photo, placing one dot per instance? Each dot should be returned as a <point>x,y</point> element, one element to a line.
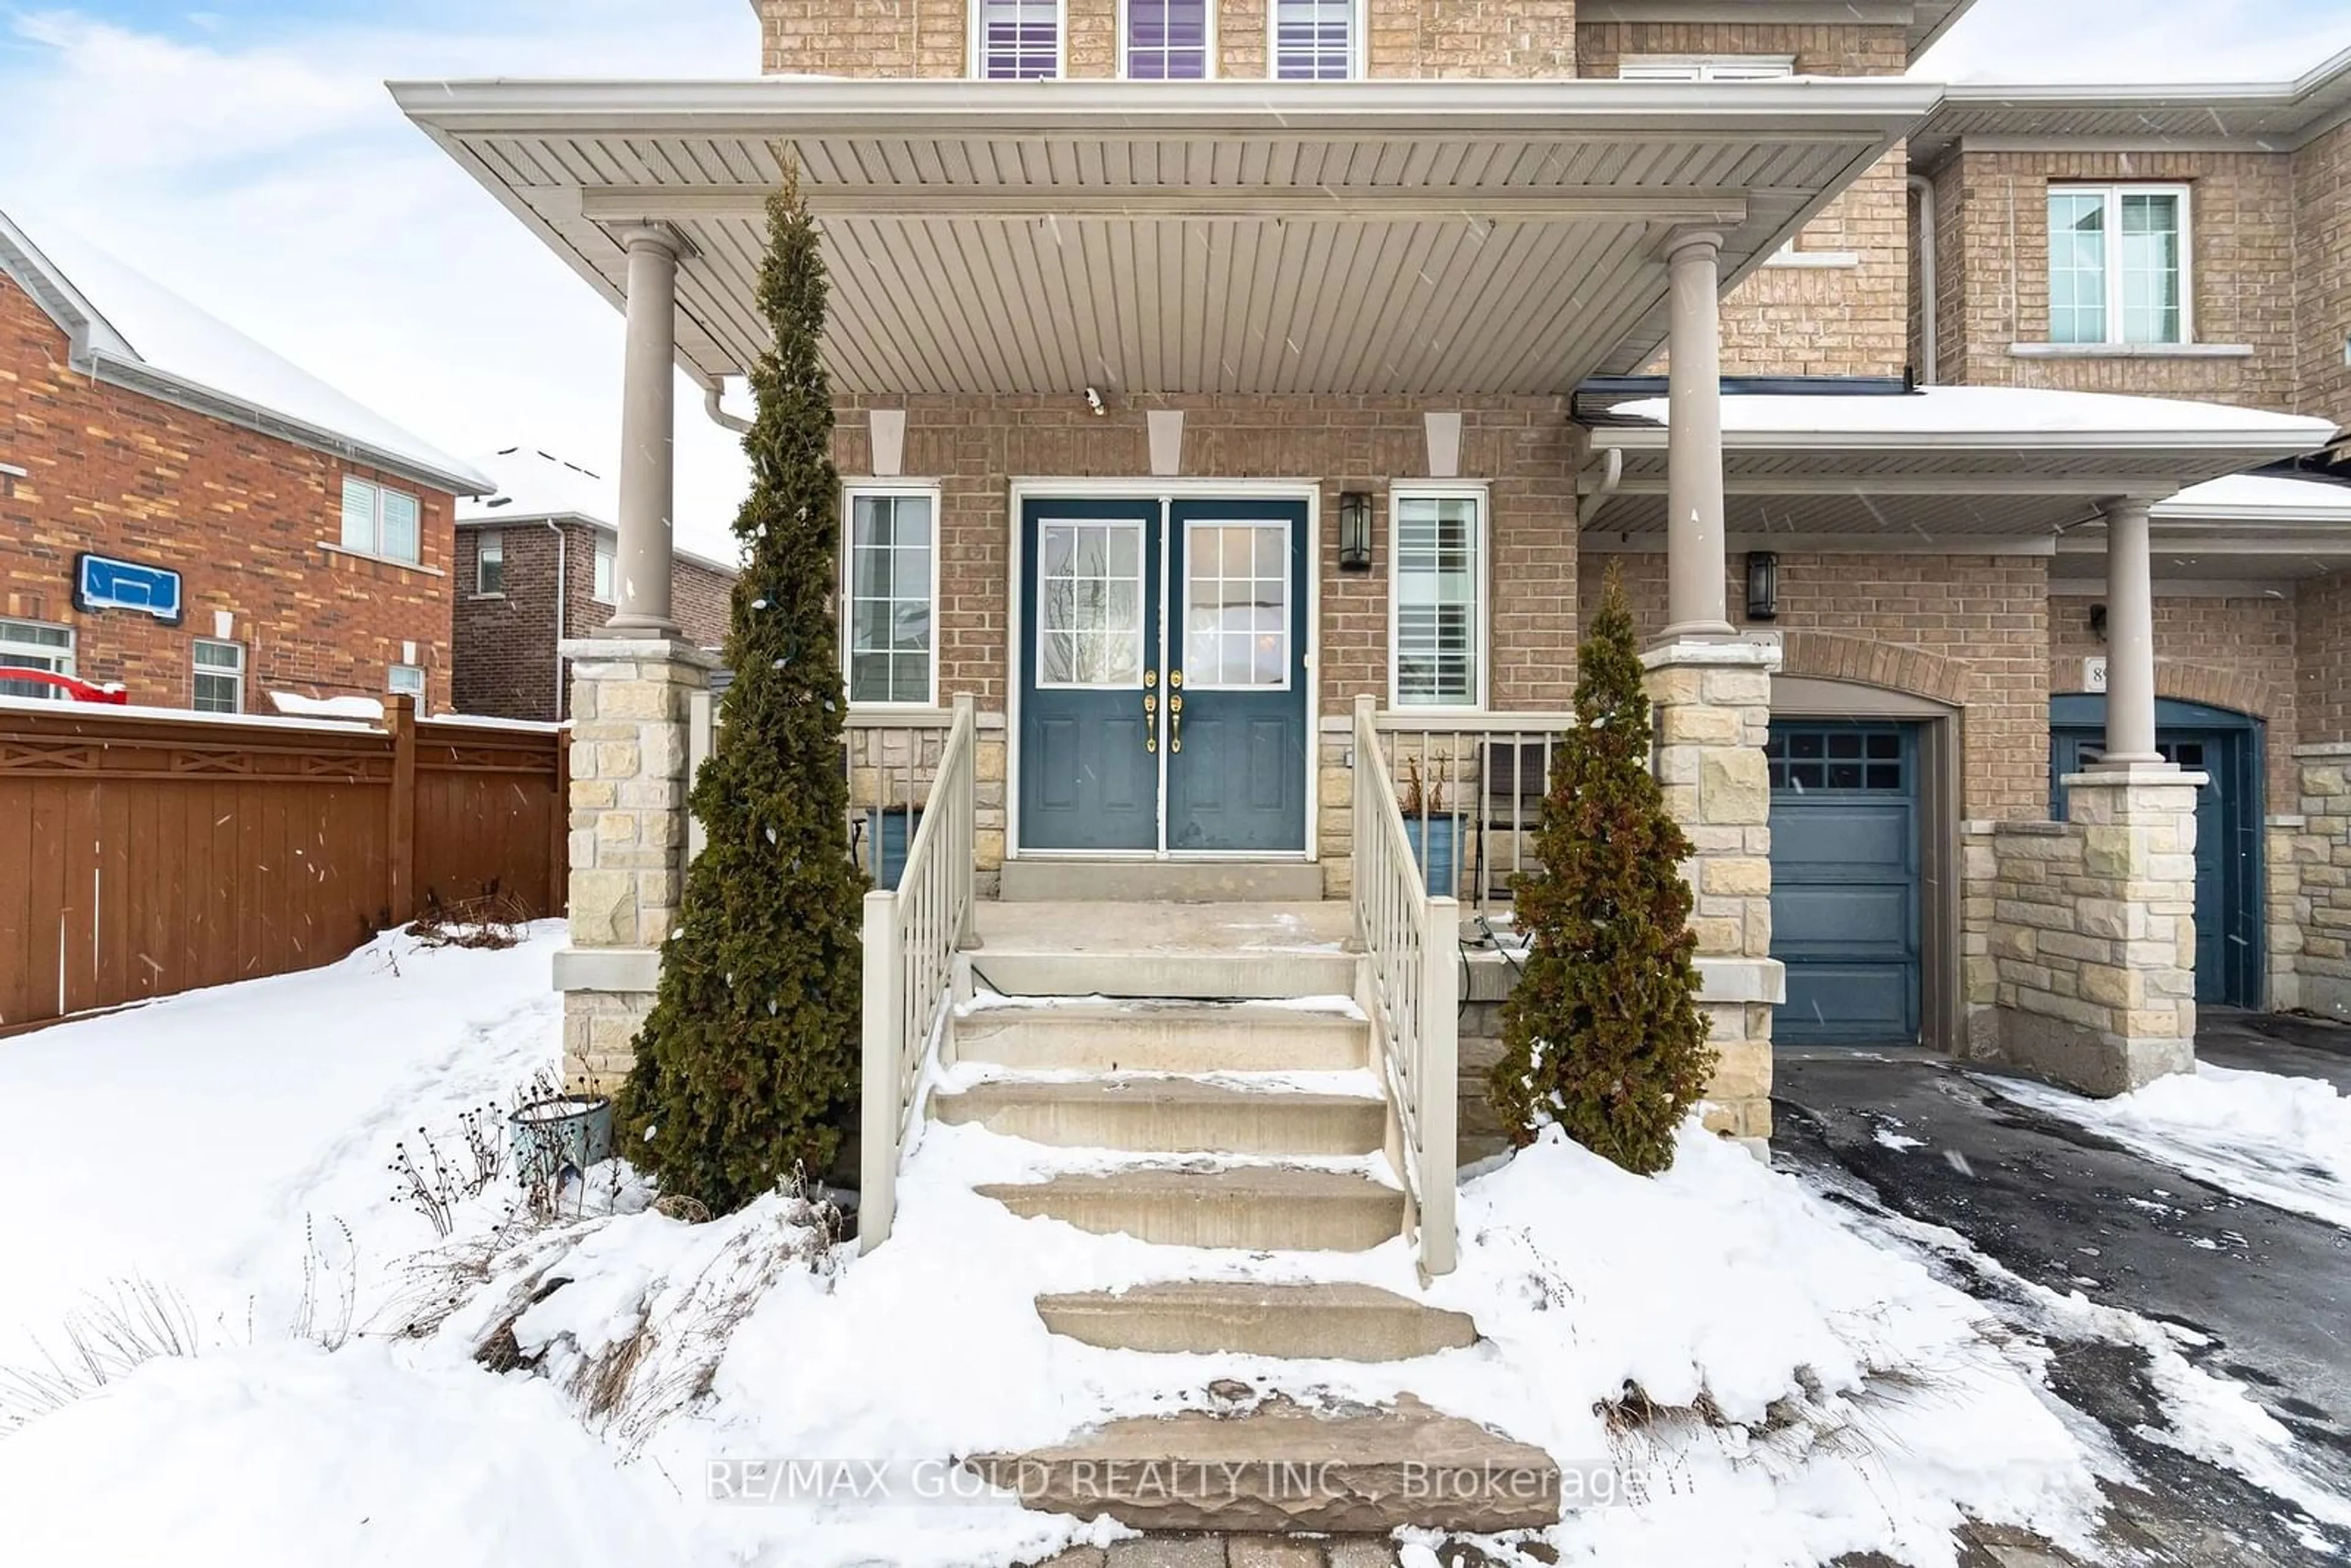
<point>1611,476</point>
<point>718,415</point>
<point>1929,305</point>
<point>562,596</point>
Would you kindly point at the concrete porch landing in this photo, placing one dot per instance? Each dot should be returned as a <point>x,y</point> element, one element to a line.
<point>1202,951</point>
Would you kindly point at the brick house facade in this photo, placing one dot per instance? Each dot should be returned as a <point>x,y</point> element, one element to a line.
<point>505,662</point>
<point>243,499</point>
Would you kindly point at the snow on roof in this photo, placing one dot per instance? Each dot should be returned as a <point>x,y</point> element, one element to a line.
<point>129,330</point>
<point>2261,496</point>
<point>530,482</point>
<point>535,485</point>
<point>2006,413</point>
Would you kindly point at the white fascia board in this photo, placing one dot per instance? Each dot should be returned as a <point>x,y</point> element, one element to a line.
<point>2282,443</point>
<point>137,375</point>
<point>947,107</point>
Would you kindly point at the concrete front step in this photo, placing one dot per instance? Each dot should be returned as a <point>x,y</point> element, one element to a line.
<point>1159,881</point>
<point>1281,1467</point>
<point>1338,1322</point>
<point>1170,1116</point>
<point>1250,1207</point>
<point>1164,1037</point>
<point>1205,974</point>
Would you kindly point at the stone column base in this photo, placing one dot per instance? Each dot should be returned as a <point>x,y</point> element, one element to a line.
<point>2322,858</point>
<point>1714,702</point>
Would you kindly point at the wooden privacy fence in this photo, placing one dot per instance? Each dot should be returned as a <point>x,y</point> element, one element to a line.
<point>144,852</point>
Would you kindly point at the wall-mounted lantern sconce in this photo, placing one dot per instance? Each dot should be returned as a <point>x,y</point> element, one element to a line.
<point>1763,585</point>
<point>2098,621</point>
<point>1355,531</point>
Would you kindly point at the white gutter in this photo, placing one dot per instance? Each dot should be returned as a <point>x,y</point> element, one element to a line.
<point>1930,301</point>
<point>563,598</point>
<point>719,416</point>
<point>1612,475</point>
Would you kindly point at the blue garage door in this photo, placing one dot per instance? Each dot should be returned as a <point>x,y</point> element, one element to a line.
<point>1844,881</point>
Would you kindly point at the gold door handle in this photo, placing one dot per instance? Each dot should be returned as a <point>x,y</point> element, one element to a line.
<point>1150,719</point>
<point>1174,721</point>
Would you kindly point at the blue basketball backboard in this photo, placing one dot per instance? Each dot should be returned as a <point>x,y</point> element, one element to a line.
<point>102,582</point>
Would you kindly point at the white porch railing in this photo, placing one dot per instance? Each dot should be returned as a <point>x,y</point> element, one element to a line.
<point>911,936</point>
<point>1411,988</point>
<point>891,757</point>
<point>1481,780</point>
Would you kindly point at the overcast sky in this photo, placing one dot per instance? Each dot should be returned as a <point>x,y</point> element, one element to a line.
<point>246,156</point>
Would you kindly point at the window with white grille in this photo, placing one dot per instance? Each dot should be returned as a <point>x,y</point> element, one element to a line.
<point>892,584</point>
<point>1167,40</point>
<point>35,645</point>
<point>220,676</point>
<point>378,521</point>
<point>1016,40</point>
<point>1314,40</point>
<point>1437,600</point>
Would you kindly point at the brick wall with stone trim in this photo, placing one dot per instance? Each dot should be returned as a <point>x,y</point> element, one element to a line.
<point>1993,267</point>
<point>2322,608</point>
<point>2322,854</point>
<point>244,517</point>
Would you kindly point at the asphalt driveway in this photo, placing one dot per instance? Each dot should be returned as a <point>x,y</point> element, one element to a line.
<point>2268,1292</point>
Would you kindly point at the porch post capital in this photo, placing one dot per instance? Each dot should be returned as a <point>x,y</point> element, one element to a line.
<point>1708,241</point>
<point>652,234</point>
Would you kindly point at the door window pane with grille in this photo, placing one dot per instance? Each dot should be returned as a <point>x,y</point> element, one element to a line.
<point>1090,604</point>
<point>1166,40</point>
<point>890,549</point>
<point>220,676</point>
<point>32,645</point>
<point>1019,39</point>
<point>1237,605</point>
<point>1439,578</point>
<point>1313,40</point>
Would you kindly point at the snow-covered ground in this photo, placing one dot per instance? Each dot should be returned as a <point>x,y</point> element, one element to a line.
<point>2282,1141</point>
<point>1855,1402</point>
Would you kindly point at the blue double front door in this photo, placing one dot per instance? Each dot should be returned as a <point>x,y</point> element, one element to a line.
<point>1161,661</point>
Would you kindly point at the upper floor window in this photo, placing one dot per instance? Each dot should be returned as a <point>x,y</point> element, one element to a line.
<point>489,563</point>
<point>1705,68</point>
<point>2118,264</point>
<point>892,584</point>
<point>1016,40</point>
<point>1314,40</point>
<point>1437,598</point>
<point>377,521</point>
<point>1166,40</point>
<point>601,585</point>
<point>35,645</point>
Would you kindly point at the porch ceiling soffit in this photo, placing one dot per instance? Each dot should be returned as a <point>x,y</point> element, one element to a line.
<point>2029,468</point>
<point>1403,238</point>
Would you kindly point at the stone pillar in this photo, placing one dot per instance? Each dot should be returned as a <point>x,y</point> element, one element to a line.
<point>2130,639</point>
<point>640,565</point>
<point>2322,855</point>
<point>2094,933</point>
<point>1694,540</point>
<point>1714,701</point>
<point>630,702</point>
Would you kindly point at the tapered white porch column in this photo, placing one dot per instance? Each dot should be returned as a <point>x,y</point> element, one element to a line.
<point>648,436</point>
<point>1696,566</point>
<point>2130,638</point>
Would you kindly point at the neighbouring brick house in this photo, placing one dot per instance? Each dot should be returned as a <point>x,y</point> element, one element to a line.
<point>187,515</point>
<point>549,522</point>
<point>1337,362</point>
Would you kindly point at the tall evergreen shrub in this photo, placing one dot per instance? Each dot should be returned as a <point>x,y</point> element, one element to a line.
<point>748,1066</point>
<point>1602,1035</point>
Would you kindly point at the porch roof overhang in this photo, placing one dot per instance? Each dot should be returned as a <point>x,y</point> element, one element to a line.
<point>2246,527</point>
<point>1957,465</point>
<point>1401,237</point>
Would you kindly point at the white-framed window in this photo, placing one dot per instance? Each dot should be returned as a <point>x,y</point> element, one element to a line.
<point>489,561</point>
<point>1437,596</point>
<point>2118,264</point>
<point>890,584</point>
<point>1016,40</point>
<point>380,522</point>
<point>35,645</point>
<point>406,680</point>
<point>1316,40</point>
<point>1166,40</point>
<point>219,676</point>
<point>601,585</point>
<point>1705,67</point>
